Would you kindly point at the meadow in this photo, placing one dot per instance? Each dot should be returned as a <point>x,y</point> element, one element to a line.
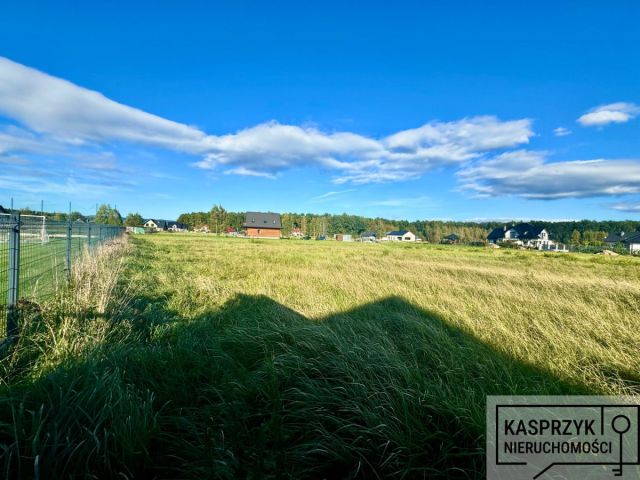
<point>192,356</point>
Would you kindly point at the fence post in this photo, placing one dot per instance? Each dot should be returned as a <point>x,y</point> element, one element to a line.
<point>89,238</point>
<point>14,276</point>
<point>69,226</point>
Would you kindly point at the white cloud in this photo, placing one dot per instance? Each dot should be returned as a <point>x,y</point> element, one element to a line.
<point>411,153</point>
<point>632,207</point>
<point>59,119</point>
<point>561,132</point>
<point>18,140</point>
<point>76,115</point>
<point>60,115</point>
<point>272,147</point>
<point>619,112</point>
<point>476,134</point>
<point>527,174</point>
<point>247,172</point>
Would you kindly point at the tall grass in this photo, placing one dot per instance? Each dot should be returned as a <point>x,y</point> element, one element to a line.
<point>195,357</point>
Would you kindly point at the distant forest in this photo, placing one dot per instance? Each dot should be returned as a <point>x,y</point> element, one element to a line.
<point>583,232</point>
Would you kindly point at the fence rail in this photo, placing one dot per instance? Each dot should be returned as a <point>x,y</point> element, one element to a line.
<point>36,256</point>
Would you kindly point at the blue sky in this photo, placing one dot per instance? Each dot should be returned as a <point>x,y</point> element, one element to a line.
<point>431,110</point>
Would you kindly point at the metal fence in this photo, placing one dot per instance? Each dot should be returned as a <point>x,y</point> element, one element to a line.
<point>36,255</point>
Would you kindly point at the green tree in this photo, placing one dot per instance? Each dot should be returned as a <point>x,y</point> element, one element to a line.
<point>217,218</point>
<point>575,237</point>
<point>134,220</point>
<point>74,216</point>
<point>108,216</point>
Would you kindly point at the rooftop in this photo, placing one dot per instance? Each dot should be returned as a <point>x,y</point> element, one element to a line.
<point>262,220</point>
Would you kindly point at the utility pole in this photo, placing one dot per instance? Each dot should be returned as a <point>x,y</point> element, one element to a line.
<point>14,275</point>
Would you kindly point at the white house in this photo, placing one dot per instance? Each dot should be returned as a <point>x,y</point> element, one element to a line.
<point>153,224</point>
<point>523,234</point>
<point>176,227</point>
<point>164,225</point>
<point>400,236</point>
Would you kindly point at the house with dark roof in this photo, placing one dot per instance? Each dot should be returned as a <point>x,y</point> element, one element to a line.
<point>400,236</point>
<point>157,225</point>
<point>523,234</point>
<point>630,241</point>
<point>176,226</point>
<point>262,224</point>
<point>451,239</point>
<point>368,237</point>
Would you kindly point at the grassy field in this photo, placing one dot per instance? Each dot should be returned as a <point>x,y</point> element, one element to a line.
<point>232,358</point>
<point>42,266</point>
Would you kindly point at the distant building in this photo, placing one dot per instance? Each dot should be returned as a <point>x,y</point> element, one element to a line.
<point>176,227</point>
<point>164,225</point>
<point>4,210</point>
<point>630,241</point>
<point>368,237</point>
<point>451,239</point>
<point>523,234</point>
<point>555,247</point>
<point>343,237</point>
<point>262,224</point>
<point>400,236</point>
<point>296,232</point>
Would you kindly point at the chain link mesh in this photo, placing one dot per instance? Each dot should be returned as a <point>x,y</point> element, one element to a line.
<point>46,249</point>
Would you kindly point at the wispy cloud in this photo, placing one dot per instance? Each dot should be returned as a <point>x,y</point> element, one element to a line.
<point>68,186</point>
<point>528,174</point>
<point>13,160</point>
<point>248,172</point>
<point>619,112</point>
<point>76,115</point>
<point>561,132</point>
<point>631,207</point>
<point>329,195</point>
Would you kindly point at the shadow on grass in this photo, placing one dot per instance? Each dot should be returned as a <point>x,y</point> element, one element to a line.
<point>255,390</point>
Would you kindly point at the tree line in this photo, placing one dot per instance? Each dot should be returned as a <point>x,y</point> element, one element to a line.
<point>581,232</point>
<point>218,219</point>
<point>105,214</point>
